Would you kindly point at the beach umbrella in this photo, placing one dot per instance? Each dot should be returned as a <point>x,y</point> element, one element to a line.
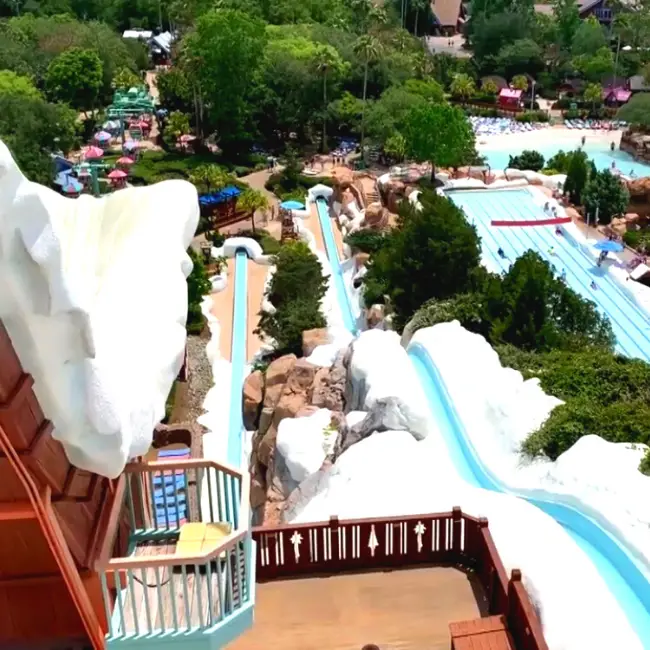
<point>609,246</point>
<point>187,138</point>
<point>117,174</point>
<point>292,205</point>
<point>125,160</point>
<point>92,153</point>
<point>131,144</point>
<point>103,136</point>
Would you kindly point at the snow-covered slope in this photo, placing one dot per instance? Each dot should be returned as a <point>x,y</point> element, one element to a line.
<point>391,473</point>
<point>93,295</point>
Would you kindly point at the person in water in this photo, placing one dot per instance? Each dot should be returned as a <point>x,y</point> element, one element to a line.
<point>563,275</point>
<point>551,251</point>
<point>558,230</point>
<point>593,285</point>
<point>500,253</point>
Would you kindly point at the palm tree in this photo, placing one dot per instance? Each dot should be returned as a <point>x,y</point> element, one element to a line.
<point>325,61</point>
<point>212,177</point>
<point>369,49</point>
<point>520,82</point>
<point>593,93</point>
<point>462,85</point>
<point>252,200</point>
<point>418,5</point>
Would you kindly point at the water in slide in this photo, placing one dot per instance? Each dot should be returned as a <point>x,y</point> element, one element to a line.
<point>625,580</point>
<point>630,324</point>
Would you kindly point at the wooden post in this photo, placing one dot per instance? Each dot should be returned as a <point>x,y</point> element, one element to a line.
<point>457,531</point>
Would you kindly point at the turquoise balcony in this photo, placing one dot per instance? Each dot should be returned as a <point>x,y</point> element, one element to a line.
<point>177,567</point>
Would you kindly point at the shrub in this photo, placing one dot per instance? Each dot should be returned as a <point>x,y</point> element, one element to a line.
<point>198,285</point>
<point>532,116</point>
<point>270,245</point>
<point>295,290</point>
<point>366,240</point>
<point>607,193</point>
<point>531,160</point>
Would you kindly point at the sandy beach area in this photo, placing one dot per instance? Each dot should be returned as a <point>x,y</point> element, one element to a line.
<point>559,136</point>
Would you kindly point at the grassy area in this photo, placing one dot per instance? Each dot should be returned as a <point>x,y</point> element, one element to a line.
<point>289,188</point>
<point>156,166</point>
<point>270,245</point>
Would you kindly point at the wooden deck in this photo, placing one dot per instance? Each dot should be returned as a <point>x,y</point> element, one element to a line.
<point>173,607</point>
<point>397,610</point>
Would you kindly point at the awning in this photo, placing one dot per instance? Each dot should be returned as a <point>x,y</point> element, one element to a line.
<point>639,271</point>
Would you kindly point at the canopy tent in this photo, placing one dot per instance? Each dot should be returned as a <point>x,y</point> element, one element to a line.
<point>103,136</point>
<point>125,160</point>
<point>130,145</point>
<point>117,174</point>
<point>226,194</point>
<point>93,153</point>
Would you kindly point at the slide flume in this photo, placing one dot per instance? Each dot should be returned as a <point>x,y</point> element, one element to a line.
<point>625,580</point>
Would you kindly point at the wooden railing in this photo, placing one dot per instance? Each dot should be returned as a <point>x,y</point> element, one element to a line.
<point>209,584</point>
<point>446,538</point>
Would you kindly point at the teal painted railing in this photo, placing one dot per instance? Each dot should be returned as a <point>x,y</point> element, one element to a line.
<point>161,587</point>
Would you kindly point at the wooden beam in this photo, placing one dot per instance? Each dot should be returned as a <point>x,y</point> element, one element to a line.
<point>16,511</point>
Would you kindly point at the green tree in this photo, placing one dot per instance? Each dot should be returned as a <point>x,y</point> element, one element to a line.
<point>462,86</point>
<point>328,63</point>
<point>418,6</point>
<point>595,67</point>
<point>489,87</point>
<point>395,147</point>
<point>594,94</point>
<point>223,55</point>
<point>532,309</point>
<point>433,253</point>
<point>210,178</point>
<point>439,134</point>
<point>368,48</point>
<point>387,115</point>
<point>33,130</point>
<point>520,82</point>
<point>589,38</point>
<point>522,55</point>
<point>252,200</point>
<point>178,124</point>
<point>125,78</point>
<point>295,290</point>
<point>577,175</point>
<point>606,194</point>
<point>198,286</point>
<point>528,159</point>
<point>17,85</point>
<point>636,111</point>
<point>346,112</point>
<point>75,77</point>
<point>567,18</point>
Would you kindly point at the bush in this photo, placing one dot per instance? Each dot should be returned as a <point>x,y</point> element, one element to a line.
<point>366,240</point>
<point>287,186</point>
<point>270,245</point>
<point>532,116</point>
<point>632,238</point>
<point>198,285</point>
<point>531,160</point>
<point>607,193</point>
<point>295,290</point>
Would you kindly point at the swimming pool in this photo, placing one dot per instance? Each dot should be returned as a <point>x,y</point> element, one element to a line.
<point>630,324</point>
<point>603,157</point>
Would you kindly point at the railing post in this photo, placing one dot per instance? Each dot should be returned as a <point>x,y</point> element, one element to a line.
<point>335,540</point>
<point>457,531</point>
<point>515,576</point>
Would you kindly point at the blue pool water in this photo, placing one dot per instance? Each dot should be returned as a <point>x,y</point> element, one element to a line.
<point>602,156</point>
<point>631,325</point>
<point>625,580</point>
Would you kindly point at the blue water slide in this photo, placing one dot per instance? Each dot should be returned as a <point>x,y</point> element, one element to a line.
<point>335,264</point>
<point>235,454</point>
<point>626,580</point>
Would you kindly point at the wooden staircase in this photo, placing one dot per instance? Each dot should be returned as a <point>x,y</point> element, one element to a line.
<point>51,520</point>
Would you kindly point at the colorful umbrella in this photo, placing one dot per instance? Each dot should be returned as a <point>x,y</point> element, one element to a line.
<point>187,138</point>
<point>93,152</point>
<point>103,136</point>
<point>116,174</point>
<point>125,160</point>
<point>131,144</point>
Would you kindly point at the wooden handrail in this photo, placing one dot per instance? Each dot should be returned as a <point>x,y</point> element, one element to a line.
<point>171,559</point>
<point>188,463</point>
<point>112,524</point>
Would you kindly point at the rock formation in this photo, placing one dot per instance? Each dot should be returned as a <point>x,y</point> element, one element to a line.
<point>290,388</point>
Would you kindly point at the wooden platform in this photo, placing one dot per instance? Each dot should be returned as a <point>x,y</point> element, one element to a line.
<point>480,634</point>
<point>167,608</point>
<point>398,610</point>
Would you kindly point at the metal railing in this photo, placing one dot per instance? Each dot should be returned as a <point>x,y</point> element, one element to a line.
<point>159,588</point>
<point>361,544</point>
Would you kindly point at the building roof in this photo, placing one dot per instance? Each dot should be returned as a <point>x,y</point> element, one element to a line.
<point>138,33</point>
<point>163,41</point>
<point>446,12</point>
<point>619,94</point>
<point>638,82</point>
<point>510,93</point>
